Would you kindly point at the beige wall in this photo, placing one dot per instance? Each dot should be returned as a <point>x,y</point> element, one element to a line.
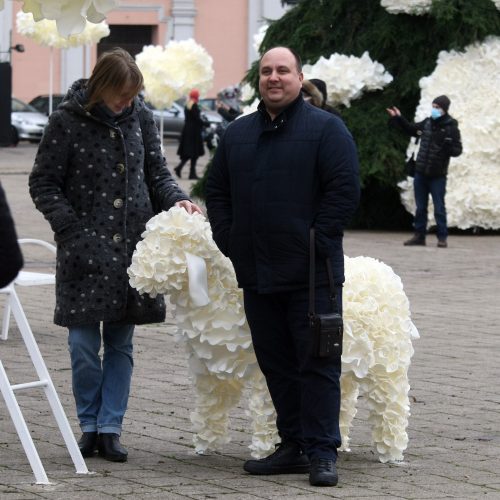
<point>221,26</point>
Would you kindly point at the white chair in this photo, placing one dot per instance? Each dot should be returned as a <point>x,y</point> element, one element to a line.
<point>13,305</point>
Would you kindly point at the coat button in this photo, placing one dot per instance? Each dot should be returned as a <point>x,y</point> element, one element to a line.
<point>118,203</point>
<point>117,238</point>
<point>120,167</point>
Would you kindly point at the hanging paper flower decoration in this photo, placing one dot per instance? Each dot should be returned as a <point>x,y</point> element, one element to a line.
<point>347,77</point>
<point>45,32</point>
<point>70,15</point>
<point>417,7</point>
<point>259,37</point>
<point>470,80</point>
<point>170,72</point>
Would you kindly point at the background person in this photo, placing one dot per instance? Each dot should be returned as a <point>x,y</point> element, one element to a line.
<point>439,140</point>
<point>11,257</point>
<point>191,141</point>
<point>98,173</point>
<point>276,173</point>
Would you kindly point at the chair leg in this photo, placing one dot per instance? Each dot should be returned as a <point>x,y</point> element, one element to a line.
<point>21,428</point>
<point>50,391</point>
<point>6,318</point>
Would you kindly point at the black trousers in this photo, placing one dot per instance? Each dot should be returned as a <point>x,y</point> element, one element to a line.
<point>305,390</point>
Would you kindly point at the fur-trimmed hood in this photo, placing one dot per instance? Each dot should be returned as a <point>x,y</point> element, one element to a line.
<point>316,96</point>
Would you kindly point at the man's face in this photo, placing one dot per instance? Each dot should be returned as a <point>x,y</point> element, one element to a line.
<point>279,79</point>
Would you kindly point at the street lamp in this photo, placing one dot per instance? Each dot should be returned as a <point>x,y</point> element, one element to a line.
<point>6,136</point>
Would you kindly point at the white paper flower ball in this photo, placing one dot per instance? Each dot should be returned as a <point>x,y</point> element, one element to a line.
<point>406,6</point>
<point>172,71</point>
<point>471,80</point>
<point>348,77</point>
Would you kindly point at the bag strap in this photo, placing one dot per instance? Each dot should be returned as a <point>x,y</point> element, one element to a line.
<point>312,276</point>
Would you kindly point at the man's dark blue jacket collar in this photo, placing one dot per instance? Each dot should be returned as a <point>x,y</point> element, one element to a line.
<point>284,116</point>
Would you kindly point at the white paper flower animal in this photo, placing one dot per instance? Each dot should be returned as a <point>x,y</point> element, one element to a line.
<point>178,257</point>
<point>171,71</point>
<point>348,77</point>
<point>70,15</point>
<point>45,32</point>
<point>470,79</point>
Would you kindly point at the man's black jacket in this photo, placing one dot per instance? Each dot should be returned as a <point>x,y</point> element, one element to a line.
<point>270,182</point>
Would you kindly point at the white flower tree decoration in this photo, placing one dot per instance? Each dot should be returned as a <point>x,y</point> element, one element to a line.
<point>45,32</point>
<point>171,71</point>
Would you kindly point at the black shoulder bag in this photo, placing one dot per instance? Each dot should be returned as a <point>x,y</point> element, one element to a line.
<point>411,162</point>
<point>327,329</point>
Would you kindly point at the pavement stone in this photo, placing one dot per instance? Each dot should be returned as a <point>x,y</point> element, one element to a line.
<point>454,429</point>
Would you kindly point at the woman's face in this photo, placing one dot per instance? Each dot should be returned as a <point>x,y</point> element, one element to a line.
<point>118,100</point>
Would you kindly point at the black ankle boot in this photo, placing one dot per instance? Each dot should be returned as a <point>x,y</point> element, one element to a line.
<point>177,171</point>
<point>88,444</point>
<point>109,448</point>
<point>192,175</point>
<point>287,459</point>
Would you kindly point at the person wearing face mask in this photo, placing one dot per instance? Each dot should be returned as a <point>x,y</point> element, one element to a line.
<point>439,140</point>
<point>99,176</point>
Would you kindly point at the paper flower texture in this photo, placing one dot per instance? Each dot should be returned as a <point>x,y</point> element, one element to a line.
<point>172,71</point>
<point>470,80</point>
<point>45,32</point>
<point>178,257</point>
<point>70,15</point>
<point>406,6</point>
<point>348,77</point>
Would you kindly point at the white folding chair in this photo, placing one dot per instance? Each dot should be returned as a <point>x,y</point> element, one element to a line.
<point>13,305</point>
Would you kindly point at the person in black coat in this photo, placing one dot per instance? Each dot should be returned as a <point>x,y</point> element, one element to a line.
<point>99,176</point>
<point>191,141</point>
<point>439,140</point>
<point>277,173</point>
<point>10,253</point>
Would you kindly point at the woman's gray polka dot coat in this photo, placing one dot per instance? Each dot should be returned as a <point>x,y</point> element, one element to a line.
<point>92,180</point>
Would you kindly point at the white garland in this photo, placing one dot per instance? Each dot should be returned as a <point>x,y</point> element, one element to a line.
<point>45,32</point>
<point>377,342</point>
<point>417,7</point>
<point>347,77</point>
<point>470,79</point>
<point>172,71</point>
<point>70,15</point>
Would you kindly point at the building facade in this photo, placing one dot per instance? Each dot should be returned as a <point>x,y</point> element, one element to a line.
<point>226,29</point>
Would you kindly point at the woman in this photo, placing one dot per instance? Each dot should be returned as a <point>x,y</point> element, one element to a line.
<point>98,174</point>
<point>191,142</point>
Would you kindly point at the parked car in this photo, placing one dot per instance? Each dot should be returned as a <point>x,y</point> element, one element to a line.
<point>41,102</point>
<point>173,119</point>
<point>27,122</point>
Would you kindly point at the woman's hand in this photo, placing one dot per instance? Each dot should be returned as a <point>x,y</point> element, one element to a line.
<point>189,207</point>
<point>393,111</point>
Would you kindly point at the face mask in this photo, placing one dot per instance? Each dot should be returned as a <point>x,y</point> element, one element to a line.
<point>435,113</point>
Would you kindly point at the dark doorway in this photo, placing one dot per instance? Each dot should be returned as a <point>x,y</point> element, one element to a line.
<point>129,37</point>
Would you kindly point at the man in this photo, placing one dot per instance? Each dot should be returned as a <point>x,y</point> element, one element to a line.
<point>439,140</point>
<point>277,173</point>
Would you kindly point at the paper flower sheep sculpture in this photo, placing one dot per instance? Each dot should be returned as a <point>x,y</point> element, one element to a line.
<point>179,258</point>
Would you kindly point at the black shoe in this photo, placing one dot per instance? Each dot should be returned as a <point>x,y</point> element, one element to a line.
<point>109,448</point>
<point>193,176</point>
<point>323,472</point>
<point>88,444</point>
<point>417,239</point>
<point>177,171</point>
<point>287,459</point>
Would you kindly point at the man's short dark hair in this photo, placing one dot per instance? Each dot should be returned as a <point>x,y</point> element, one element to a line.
<point>298,60</point>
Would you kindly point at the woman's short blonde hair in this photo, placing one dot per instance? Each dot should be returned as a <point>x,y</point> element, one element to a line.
<point>114,70</point>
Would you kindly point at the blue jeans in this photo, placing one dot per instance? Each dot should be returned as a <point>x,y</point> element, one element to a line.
<point>305,390</point>
<point>436,186</point>
<point>101,389</point>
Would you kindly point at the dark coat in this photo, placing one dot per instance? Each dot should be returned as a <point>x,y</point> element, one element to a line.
<point>92,181</point>
<point>10,254</point>
<point>191,141</point>
<point>270,182</point>
<point>439,140</point>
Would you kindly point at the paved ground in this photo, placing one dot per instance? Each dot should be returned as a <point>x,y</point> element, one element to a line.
<point>454,449</point>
